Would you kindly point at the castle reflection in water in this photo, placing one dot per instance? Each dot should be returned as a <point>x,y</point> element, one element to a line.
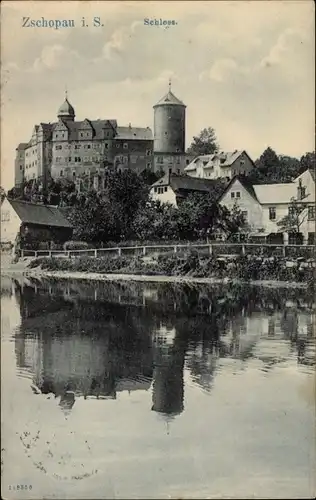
<point>97,340</point>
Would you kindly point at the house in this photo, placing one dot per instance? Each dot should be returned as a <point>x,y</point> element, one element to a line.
<point>264,205</point>
<point>173,188</point>
<point>220,165</point>
<point>33,223</point>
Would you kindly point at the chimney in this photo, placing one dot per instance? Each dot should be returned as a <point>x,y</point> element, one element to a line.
<point>130,125</point>
<point>299,190</point>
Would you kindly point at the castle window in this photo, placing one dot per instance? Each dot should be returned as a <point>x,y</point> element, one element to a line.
<point>149,165</point>
<point>148,152</point>
<point>106,145</point>
<point>125,145</point>
<point>232,195</point>
<point>59,147</point>
<point>166,189</point>
<point>74,174</point>
<point>21,167</point>
<point>117,145</point>
<point>61,173</point>
<point>238,194</point>
<point>81,134</point>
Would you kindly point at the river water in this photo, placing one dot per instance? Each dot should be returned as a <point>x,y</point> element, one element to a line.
<point>131,390</point>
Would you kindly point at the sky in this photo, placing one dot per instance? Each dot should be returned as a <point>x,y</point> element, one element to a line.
<point>247,69</point>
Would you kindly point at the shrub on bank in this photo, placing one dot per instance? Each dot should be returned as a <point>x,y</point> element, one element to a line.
<point>244,268</point>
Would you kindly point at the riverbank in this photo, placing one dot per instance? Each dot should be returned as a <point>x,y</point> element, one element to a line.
<point>156,279</point>
<point>270,272</point>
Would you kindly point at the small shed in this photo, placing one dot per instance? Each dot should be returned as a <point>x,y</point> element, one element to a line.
<point>32,224</point>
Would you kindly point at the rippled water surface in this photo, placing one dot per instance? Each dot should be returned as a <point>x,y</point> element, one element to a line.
<point>130,390</point>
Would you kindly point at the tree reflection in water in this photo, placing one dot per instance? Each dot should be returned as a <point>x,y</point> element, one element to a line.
<point>97,340</point>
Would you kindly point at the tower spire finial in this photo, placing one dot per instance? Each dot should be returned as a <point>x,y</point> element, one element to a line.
<point>170,84</point>
<point>66,92</point>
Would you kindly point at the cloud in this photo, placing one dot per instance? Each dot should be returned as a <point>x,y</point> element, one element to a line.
<point>55,57</point>
<point>287,44</point>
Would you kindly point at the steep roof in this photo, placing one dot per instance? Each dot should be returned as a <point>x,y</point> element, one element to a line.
<point>275,193</point>
<point>209,160</point>
<point>267,193</point>
<point>45,215</point>
<point>244,182</point>
<point>312,172</point>
<point>139,133</point>
<point>22,146</point>
<point>97,127</point>
<point>169,99</point>
<point>186,183</point>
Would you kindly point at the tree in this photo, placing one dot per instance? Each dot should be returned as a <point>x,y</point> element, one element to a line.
<point>267,167</point>
<point>205,143</point>
<point>307,161</point>
<point>292,222</point>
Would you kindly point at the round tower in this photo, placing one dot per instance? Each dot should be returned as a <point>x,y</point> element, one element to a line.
<point>66,111</point>
<point>169,124</point>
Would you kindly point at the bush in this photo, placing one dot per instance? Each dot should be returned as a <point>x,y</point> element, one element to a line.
<point>76,245</point>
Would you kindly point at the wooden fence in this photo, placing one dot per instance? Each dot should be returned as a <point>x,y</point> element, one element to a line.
<point>215,249</point>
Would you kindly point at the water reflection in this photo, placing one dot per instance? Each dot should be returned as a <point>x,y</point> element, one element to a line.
<point>99,340</point>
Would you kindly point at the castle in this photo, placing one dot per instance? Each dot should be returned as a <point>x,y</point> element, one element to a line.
<point>74,149</point>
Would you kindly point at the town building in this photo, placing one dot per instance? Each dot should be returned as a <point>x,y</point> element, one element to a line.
<point>41,223</point>
<point>173,188</point>
<point>220,165</point>
<point>169,135</point>
<point>265,205</point>
<point>71,149</point>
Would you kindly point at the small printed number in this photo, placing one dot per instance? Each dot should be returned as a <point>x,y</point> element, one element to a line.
<point>20,487</point>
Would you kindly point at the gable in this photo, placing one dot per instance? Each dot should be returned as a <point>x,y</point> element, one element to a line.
<point>85,125</point>
<point>60,126</point>
<point>235,186</point>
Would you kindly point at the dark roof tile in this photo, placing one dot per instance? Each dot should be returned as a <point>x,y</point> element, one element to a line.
<point>45,215</point>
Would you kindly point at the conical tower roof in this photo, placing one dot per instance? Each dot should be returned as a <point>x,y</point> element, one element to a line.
<point>169,99</point>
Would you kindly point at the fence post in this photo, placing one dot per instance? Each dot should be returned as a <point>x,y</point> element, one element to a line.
<point>119,251</point>
<point>96,253</point>
<point>210,249</point>
<point>22,254</point>
<point>243,250</point>
<point>284,250</point>
<point>175,249</point>
<point>144,250</point>
<point>49,253</point>
<point>68,254</point>
<point>35,254</point>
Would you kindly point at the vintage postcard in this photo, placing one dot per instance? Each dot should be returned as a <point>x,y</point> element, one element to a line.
<point>158,334</point>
